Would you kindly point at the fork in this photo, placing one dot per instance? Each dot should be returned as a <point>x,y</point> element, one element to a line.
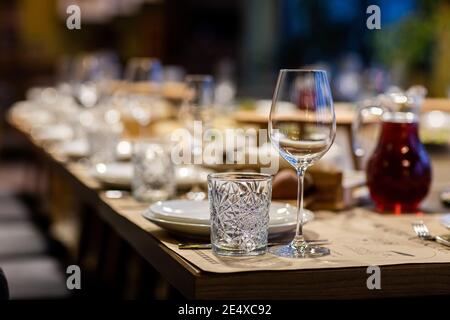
<point>422,232</point>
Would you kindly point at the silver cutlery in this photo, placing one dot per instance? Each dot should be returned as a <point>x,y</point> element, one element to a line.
<point>422,232</point>
<point>199,246</point>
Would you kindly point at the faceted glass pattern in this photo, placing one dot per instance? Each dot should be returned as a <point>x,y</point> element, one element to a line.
<point>239,205</point>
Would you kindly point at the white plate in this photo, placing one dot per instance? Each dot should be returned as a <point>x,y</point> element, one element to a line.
<point>282,220</point>
<point>120,174</point>
<point>75,149</point>
<point>117,174</point>
<point>188,211</point>
<point>53,133</point>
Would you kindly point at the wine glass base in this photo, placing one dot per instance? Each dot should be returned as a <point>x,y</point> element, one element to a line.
<point>288,251</point>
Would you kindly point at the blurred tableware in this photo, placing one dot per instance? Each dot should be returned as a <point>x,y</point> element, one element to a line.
<point>115,194</point>
<point>302,143</point>
<point>103,131</point>
<point>435,128</point>
<point>198,102</point>
<point>196,193</point>
<point>54,133</point>
<point>199,212</point>
<point>194,177</point>
<point>27,111</point>
<point>92,74</point>
<point>154,172</point>
<point>138,111</point>
<point>75,149</point>
<point>422,232</point>
<point>197,224</point>
<point>174,74</point>
<point>144,69</point>
<point>114,174</point>
<point>399,170</point>
<point>140,103</point>
<point>239,206</point>
<point>120,174</point>
<point>124,150</point>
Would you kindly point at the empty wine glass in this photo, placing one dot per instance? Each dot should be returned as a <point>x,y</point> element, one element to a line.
<point>198,101</point>
<point>197,106</point>
<point>144,70</point>
<point>143,77</point>
<point>92,76</point>
<point>302,127</point>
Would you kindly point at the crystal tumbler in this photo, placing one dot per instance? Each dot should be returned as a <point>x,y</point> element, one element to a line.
<point>239,205</point>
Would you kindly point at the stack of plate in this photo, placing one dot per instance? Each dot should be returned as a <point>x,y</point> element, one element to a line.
<point>192,218</point>
<point>120,174</point>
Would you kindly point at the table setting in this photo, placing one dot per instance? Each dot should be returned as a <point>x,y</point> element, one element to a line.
<point>232,216</point>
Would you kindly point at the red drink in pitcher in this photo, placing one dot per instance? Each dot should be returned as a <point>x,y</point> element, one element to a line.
<point>399,170</point>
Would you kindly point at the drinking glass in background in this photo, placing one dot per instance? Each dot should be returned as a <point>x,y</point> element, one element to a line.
<point>239,206</point>
<point>103,130</point>
<point>302,137</point>
<point>173,74</point>
<point>143,78</point>
<point>198,104</point>
<point>154,172</point>
<point>92,76</point>
<point>144,69</point>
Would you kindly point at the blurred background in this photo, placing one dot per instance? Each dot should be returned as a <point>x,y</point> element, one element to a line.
<point>247,41</point>
<point>241,43</point>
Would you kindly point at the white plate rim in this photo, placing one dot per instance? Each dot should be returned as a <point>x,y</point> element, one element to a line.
<point>147,214</point>
<point>160,215</point>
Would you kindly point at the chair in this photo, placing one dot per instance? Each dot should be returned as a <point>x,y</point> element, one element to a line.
<point>38,277</point>
<point>4,293</point>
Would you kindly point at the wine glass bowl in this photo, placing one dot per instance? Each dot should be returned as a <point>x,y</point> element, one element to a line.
<point>198,100</point>
<point>302,134</point>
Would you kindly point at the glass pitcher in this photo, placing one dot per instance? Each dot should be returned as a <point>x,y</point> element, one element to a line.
<point>399,171</point>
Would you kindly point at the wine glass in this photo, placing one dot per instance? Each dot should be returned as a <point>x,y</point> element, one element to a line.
<point>143,78</point>
<point>144,70</point>
<point>92,76</point>
<point>302,127</point>
<point>197,106</point>
<point>198,100</point>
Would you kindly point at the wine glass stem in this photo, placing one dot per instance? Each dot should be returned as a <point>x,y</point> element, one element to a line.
<point>299,240</point>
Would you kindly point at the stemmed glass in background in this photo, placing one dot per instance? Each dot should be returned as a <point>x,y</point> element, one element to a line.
<point>198,101</point>
<point>302,135</point>
<point>144,69</point>
<point>144,77</point>
<point>92,74</point>
<point>197,106</point>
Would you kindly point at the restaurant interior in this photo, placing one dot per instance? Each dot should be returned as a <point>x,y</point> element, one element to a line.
<point>226,149</point>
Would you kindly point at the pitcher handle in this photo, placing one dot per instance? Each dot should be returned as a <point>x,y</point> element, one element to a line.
<point>374,107</point>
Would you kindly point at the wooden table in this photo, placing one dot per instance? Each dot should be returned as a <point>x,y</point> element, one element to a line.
<point>193,283</point>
